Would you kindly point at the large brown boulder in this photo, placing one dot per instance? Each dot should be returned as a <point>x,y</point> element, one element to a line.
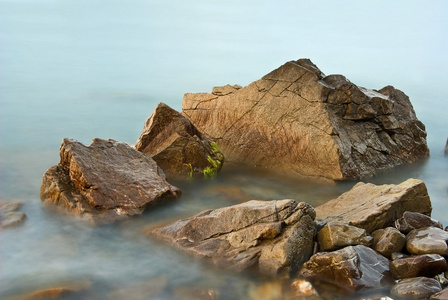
<point>273,237</point>
<point>297,120</point>
<point>105,181</point>
<point>374,207</point>
<point>177,146</point>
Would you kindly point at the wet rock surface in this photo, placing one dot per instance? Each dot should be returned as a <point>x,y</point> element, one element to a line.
<point>428,265</point>
<point>414,220</point>
<point>428,240</point>
<point>415,288</point>
<point>334,236</point>
<point>297,120</point>
<point>352,268</point>
<point>177,146</point>
<point>104,182</point>
<point>9,214</point>
<point>374,207</point>
<point>272,237</point>
<point>442,295</point>
<point>388,240</point>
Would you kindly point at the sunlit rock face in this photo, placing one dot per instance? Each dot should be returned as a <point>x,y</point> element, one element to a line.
<point>272,237</point>
<point>297,120</point>
<point>177,145</point>
<point>104,182</point>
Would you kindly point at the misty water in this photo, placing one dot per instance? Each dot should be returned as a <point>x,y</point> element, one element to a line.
<point>84,69</point>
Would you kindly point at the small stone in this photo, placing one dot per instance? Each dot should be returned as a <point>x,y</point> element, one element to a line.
<point>352,268</point>
<point>428,240</point>
<point>337,235</point>
<point>9,216</point>
<point>302,288</point>
<point>442,295</point>
<point>388,240</point>
<point>415,288</point>
<point>414,220</point>
<point>428,265</point>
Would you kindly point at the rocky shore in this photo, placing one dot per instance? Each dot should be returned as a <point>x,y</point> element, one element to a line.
<point>294,120</point>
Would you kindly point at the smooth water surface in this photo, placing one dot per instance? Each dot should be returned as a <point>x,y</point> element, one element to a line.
<point>85,69</point>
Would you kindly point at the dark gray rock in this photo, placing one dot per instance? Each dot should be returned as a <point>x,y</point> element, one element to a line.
<point>273,237</point>
<point>414,220</point>
<point>104,182</point>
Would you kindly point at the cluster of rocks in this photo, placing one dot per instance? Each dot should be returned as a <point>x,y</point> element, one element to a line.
<point>386,235</point>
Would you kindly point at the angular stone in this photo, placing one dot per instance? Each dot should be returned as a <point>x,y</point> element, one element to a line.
<point>428,265</point>
<point>415,288</point>
<point>414,220</point>
<point>177,145</point>
<point>105,181</point>
<point>388,240</point>
<point>442,295</point>
<point>273,237</point>
<point>352,268</point>
<point>427,240</point>
<point>337,235</point>
<point>297,120</point>
<point>374,207</point>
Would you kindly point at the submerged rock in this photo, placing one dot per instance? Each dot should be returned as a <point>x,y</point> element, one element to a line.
<point>415,288</point>
<point>9,216</point>
<point>297,120</point>
<point>177,145</point>
<point>352,268</point>
<point>428,240</point>
<point>336,235</point>
<point>273,237</point>
<point>105,181</point>
<point>374,207</point>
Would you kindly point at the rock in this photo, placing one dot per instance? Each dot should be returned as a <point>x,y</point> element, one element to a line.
<point>414,220</point>
<point>9,216</point>
<point>337,235</point>
<point>53,293</point>
<point>177,145</point>
<point>297,120</point>
<point>374,207</point>
<point>415,288</point>
<point>67,290</point>
<point>428,265</point>
<point>274,237</point>
<point>149,289</point>
<point>442,295</point>
<point>388,240</point>
<point>353,268</point>
<point>303,289</point>
<point>193,293</point>
<point>427,240</point>
<point>104,182</point>
<point>446,147</point>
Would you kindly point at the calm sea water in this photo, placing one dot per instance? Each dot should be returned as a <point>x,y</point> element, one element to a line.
<point>85,69</point>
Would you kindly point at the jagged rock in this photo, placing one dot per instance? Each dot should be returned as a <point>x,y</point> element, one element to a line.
<point>374,207</point>
<point>428,265</point>
<point>427,240</point>
<point>352,268</point>
<point>297,120</point>
<point>442,295</point>
<point>414,220</point>
<point>9,216</point>
<point>388,240</point>
<point>337,235</point>
<point>177,145</point>
<point>415,288</point>
<point>273,237</point>
<point>105,181</point>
